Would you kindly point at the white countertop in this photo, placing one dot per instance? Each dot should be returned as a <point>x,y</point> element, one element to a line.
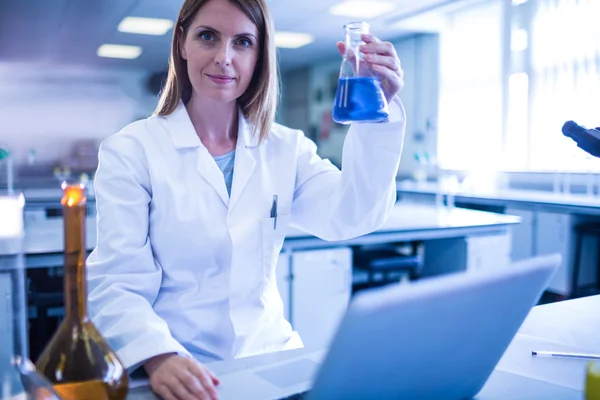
<point>51,194</point>
<point>408,216</point>
<point>582,201</point>
<point>46,236</point>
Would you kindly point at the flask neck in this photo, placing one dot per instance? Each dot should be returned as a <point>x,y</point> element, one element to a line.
<point>354,32</point>
<point>75,255</point>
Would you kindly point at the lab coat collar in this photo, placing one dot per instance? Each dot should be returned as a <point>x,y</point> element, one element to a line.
<point>245,132</point>
<point>184,135</point>
<point>181,129</point>
<point>245,161</point>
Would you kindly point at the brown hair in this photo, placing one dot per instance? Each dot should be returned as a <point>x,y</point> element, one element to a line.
<point>259,101</point>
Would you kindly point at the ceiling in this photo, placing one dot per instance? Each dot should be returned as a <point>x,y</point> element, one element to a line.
<point>57,32</point>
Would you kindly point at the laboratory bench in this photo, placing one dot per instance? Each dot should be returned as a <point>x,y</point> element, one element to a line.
<point>573,203</point>
<point>452,240</point>
<point>571,325</point>
<point>550,223</point>
<point>407,221</point>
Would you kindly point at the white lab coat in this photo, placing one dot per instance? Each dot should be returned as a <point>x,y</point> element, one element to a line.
<point>182,267</point>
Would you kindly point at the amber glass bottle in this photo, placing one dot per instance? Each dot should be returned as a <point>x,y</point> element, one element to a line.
<point>78,361</point>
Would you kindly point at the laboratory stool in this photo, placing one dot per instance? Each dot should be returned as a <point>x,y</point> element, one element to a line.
<point>591,229</point>
<point>386,260</point>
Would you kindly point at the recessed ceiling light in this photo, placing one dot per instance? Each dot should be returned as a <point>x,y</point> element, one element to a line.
<point>427,22</point>
<point>363,9</point>
<point>119,51</point>
<point>145,26</point>
<point>292,40</point>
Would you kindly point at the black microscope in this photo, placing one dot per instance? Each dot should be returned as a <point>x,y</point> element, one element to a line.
<point>586,139</point>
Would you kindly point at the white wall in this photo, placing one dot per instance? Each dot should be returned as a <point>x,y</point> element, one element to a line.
<point>49,108</point>
<point>420,58</point>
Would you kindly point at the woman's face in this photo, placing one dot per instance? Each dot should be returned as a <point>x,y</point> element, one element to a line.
<point>221,47</point>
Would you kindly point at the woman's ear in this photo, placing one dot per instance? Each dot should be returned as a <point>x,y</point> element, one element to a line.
<point>182,38</point>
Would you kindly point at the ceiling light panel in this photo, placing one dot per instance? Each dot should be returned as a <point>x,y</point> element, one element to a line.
<point>145,26</point>
<point>364,9</point>
<point>292,40</point>
<point>119,51</point>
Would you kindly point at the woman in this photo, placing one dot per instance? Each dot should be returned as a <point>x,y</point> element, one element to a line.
<point>184,268</point>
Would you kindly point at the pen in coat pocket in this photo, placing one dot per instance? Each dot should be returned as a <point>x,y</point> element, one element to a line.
<point>274,212</point>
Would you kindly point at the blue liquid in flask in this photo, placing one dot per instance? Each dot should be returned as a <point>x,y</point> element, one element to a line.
<point>359,99</point>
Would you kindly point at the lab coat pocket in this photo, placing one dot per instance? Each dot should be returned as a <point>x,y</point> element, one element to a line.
<point>273,234</point>
<point>295,342</point>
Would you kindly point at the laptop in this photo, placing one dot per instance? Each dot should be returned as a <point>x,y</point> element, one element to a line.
<point>437,338</point>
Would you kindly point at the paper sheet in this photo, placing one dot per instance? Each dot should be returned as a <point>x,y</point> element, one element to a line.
<point>565,372</point>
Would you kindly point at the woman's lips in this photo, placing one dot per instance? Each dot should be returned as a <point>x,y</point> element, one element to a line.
<point>220,79</point>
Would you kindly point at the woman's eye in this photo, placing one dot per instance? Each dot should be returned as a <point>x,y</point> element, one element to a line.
<point>244,42</point>
<point>207,36</point>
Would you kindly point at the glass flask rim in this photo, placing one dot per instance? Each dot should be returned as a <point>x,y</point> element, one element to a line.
<point>357,26</point>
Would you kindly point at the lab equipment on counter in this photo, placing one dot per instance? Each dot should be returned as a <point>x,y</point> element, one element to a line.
<point>6,158</point>
<point>13,317</point>
<point>78,361</point>
<point>592,381</point>
<point>36,386</point>
<point>18,377</point>
<point>420,172</point>
<point>586,139</point>
<point>359,96</point>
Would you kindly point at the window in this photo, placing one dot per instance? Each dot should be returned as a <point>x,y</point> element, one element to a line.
<point>509,81</point>
<point>565,64</point>
<point>470,115</point>
<point>516,143</point>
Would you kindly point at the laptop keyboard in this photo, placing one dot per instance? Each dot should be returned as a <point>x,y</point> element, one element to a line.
<point>298,396</point>
<point>292,373</point>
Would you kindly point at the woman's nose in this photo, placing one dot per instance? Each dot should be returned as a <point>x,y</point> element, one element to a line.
<point>223,56</point>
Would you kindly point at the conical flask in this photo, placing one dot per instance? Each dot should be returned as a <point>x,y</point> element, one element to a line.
<point>359,97</point>
<point>78,361</point>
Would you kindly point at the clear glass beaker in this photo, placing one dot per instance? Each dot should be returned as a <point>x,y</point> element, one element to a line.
<point>359,96</point>
<point>13,317</point>
<point>18,378</point>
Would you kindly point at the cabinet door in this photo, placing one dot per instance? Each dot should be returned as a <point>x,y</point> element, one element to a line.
<point>321,288</point>
<point>553,235</point>
<point>522,234</point>
<point>488,252</point>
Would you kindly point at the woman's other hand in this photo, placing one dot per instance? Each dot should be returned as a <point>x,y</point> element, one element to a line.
<point>174,377</point>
